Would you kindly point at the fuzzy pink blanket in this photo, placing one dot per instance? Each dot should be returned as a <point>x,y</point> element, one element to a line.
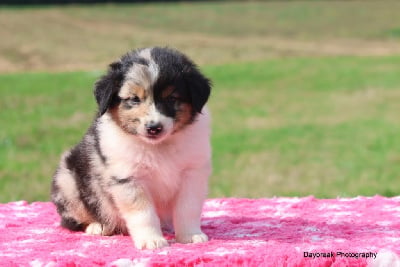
<point>247,232</point>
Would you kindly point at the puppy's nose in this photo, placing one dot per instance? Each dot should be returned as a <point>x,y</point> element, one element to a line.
<point>153,128</point>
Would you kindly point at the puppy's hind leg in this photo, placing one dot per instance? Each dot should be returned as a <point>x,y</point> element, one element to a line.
<point>65,196</point>
<point>73,215</point>
<point>72,224</point>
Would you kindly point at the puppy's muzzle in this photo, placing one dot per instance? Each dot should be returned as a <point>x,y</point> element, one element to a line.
<point>153,128</point>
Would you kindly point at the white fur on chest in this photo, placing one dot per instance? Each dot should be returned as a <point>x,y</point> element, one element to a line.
<point>160,167</point>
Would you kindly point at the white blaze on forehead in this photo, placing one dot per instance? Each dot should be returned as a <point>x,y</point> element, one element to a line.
<point>144,76</point>
<point>153,67</point>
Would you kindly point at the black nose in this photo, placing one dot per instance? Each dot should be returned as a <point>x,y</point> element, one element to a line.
<point>154,129</point>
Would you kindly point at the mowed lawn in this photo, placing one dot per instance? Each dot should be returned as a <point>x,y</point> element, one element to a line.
<point>325,126</point>
<point>305,97</point>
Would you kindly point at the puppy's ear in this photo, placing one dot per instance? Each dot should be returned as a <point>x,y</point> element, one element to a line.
<point>199,88</point>
<point>108,86</point>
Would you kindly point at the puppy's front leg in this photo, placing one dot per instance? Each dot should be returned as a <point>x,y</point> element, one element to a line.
<point>189,204</point>
<point>141,219</point>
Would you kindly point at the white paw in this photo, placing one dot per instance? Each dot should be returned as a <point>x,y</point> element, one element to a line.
<point>94,228</point>
<point>150,242</point>
<point>192,238</point>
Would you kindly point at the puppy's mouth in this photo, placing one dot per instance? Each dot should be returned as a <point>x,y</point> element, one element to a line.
<point>151,139</point>
<point>154,138</point>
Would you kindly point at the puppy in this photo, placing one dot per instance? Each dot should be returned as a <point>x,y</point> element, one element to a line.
<point>145,160</point>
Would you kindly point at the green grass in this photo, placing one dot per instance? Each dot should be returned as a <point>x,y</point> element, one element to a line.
<point>325,126</point>
<point>41,115</point>
<point>322,126</point>
<point>305,97</point>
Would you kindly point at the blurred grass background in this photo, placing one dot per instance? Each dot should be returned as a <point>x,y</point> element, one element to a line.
<point>305,97</point>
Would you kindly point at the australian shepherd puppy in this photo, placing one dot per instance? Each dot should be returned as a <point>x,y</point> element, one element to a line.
<point>145,160</point>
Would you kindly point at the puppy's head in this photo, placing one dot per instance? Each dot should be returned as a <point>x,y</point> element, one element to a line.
<point>152,93</point>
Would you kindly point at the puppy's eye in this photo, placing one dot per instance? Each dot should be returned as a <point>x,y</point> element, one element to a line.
<point>172,99</point>
<point>134,100</point>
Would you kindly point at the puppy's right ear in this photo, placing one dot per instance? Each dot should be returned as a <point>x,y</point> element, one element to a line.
<point>106,89</point>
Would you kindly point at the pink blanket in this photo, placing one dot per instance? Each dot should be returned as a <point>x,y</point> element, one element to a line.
<point>251,232</point>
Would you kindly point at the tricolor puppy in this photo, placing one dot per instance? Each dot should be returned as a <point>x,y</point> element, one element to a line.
<point>145,160</point>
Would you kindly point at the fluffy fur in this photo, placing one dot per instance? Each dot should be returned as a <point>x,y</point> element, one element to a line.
<point>145,160</point>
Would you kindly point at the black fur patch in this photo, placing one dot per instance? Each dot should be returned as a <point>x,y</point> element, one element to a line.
<point>72,225</point>
<point>79,164</point>
<point>177,70</point>
<point>108,86</point>
<point>93,132</point>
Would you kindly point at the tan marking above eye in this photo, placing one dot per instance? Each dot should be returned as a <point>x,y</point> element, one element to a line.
<point>129,90</point>
<point>168,92</point>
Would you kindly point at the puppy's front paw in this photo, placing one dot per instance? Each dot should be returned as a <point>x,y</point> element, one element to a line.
<point>192,238</point>
<point>150,242</point>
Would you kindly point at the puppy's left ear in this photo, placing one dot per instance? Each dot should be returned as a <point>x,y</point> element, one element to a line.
<point>199,88</point>
<point>107,87</point>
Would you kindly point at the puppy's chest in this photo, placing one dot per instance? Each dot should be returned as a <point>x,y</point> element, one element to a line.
<point>160,170</point>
